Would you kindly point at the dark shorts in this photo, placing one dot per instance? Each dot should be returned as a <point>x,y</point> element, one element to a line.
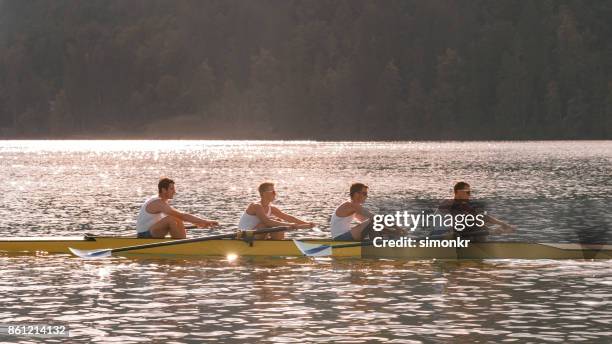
<point>144,235</point>
<point>344,237</point>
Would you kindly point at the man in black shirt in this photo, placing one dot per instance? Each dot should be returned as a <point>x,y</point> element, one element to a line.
<point>461,205</point>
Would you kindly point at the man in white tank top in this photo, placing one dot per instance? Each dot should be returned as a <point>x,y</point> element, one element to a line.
<point>349,211</point>
<point>157,218</point>
<point>264,215</point>
<point>353,210</point>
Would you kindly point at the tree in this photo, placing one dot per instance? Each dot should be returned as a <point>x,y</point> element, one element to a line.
<point>606,124</point>
<point>447,84</point>
<point>511,110</point>
<point>388,103</point>
<point>416,120</point>
<point>265,83</point>
<point>60,118</point>
<point>203,88</point>
<point>552,107</point>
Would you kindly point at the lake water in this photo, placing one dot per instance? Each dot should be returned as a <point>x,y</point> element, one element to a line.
<point>551,190</point>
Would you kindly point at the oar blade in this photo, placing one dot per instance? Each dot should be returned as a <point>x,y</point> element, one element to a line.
<point>313,250</point>
<point>90,254</point>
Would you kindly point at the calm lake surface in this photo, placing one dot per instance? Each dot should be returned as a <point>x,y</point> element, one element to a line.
<point>54,188</point>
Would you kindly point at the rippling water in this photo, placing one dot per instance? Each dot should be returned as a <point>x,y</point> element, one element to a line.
<point>73,187</point>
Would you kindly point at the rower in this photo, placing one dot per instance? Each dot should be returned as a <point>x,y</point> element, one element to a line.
<point>353,210</point>
<point>460,204</point>
<point>157,218</point>
<point>263,214</point>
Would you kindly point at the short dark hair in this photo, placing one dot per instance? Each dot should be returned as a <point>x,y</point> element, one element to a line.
<point>460,186</point>
<point>164,183</point>
<point>263,187</point>
<point>357,187</point>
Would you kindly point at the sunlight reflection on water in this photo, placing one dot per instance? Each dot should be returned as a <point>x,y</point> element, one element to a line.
<point>282,300</point>
<point>74,187</point>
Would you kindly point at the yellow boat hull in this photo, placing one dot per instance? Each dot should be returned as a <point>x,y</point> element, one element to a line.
<point>224,247</point>
<point>286,248</point>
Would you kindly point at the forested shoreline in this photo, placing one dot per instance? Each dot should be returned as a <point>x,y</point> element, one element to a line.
<point>329,70</point>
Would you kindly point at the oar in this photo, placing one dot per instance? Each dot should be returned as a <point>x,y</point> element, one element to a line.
<point>108,252</point>
<point>320,250</point>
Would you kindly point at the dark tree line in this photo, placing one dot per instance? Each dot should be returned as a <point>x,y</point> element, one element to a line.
<point>341,69</point>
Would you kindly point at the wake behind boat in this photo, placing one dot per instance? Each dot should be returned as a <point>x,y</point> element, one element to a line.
<point>287,248</point>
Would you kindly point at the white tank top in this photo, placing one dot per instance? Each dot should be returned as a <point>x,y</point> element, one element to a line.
<point>145,220</point>
<point>249,222</point>
<point>340,225</point>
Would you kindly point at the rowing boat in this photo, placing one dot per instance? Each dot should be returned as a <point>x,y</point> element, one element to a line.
<point>222,247</point>
<point>286,248</point>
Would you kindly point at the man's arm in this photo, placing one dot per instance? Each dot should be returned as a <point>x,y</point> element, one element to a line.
<point>491,220</point>
<point>362,213</point>
<point>268,222</point>
<point>159,206</point>
<point>286,217</point>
